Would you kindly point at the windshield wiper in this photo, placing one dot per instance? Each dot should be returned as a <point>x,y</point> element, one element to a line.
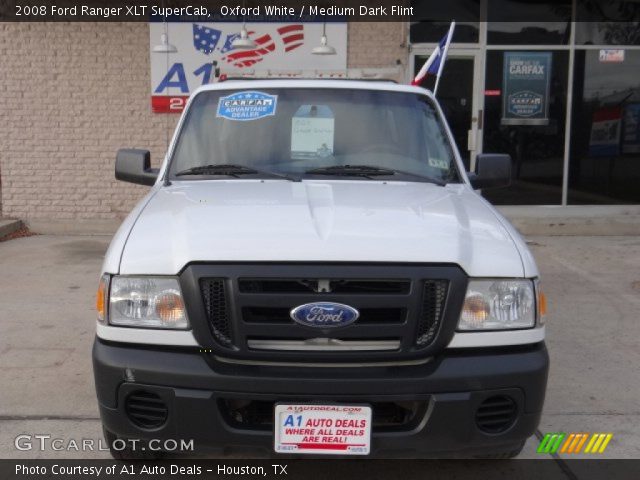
<point>350,171</point>
<point>230,169</point>
<point>369,171</point>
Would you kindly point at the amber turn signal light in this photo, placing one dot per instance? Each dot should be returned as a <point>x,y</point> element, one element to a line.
<point>101,298</point>
<point>170,307</point>
<point>542,306</point>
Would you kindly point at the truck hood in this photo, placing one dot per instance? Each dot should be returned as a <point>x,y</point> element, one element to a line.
<point>318,221</point>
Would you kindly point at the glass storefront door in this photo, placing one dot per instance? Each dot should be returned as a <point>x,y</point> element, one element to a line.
<point>459,95</point>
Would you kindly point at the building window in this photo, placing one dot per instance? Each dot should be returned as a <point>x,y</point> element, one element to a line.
<point>603,148</point>
<point>522,22</point>
<point>525,107</point>
<point>604,165</point>
<point>435,17</point>
<point>613,22</point>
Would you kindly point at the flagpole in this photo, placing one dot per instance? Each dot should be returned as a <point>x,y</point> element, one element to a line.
<point>444,57</point>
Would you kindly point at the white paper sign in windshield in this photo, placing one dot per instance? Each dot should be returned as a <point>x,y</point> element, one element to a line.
<point>312,132</point>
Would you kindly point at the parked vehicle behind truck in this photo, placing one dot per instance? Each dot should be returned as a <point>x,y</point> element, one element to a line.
<point>313,272</point>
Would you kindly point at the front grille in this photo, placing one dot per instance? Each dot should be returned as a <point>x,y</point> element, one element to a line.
<point>322,344</point>
<point>496,414</point>
<point>434,294</point>
<point>304,285</point>
<point>385,416</point>
<point>215,303</point>
<point>146,409</point>
<point>368,316</point>
<point>242,311</point>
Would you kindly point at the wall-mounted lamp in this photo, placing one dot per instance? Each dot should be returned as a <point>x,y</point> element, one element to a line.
<point>324,48</point>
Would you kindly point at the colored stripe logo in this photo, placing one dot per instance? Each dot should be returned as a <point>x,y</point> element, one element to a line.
<point>574,443</point>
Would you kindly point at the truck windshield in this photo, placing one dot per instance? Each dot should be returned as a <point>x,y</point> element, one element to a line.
<point>313,133</point>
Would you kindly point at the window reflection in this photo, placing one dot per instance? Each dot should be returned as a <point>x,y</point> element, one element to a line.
<point>434,17</point>
<point>605,142</point>
<point>433,32</point>
<point>537,150</point>
<point>613,22</point>
<point>520,22</point>
<point>521,33</point>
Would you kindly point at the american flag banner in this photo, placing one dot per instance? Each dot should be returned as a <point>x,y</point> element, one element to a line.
<point>205,39</point>
<point>248,58</point>
<point>292,36</point>
<point>228,42</point>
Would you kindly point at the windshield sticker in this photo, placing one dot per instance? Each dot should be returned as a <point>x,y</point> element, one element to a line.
<point>312,132</point>
<point>244,106</point>
<point>438,163</point>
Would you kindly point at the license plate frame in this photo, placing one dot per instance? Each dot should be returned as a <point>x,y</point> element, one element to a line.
<point>322,429</point>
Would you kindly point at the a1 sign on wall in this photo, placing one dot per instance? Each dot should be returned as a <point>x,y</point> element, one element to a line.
<point>174,76</point>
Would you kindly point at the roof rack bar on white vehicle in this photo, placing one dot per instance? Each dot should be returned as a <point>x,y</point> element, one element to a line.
<point>389,74</point>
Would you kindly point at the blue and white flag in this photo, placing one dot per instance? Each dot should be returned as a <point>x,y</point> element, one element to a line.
<point>205,39</point>
<point>434,64</point>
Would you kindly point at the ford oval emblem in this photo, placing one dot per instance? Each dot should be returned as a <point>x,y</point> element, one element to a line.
<point>324,314</point>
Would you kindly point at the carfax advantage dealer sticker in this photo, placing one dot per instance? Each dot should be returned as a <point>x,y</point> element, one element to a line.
<point>244,106</point>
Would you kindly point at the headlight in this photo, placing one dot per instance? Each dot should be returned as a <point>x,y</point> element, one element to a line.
<point>147,302</point>
<point>498,305</point>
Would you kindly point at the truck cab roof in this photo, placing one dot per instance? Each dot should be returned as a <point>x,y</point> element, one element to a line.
<point>354,84</point>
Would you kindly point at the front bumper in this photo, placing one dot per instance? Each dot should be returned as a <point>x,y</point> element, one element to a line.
<point>195,388</point>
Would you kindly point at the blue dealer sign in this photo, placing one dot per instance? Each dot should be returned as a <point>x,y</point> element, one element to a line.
<point>526,82</point>
<point>243,106</point>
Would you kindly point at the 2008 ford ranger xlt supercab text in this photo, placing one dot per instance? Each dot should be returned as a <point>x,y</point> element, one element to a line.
<point>313,272</point>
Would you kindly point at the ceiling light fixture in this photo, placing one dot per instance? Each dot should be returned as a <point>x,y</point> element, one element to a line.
<point>243,42</point>
<point>324,48</point>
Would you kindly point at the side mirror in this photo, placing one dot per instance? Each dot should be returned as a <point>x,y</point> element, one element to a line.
<point>134,166</point>
<point>493,170</point>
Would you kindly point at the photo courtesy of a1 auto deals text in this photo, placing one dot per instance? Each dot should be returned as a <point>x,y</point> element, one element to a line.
<point>150,470</point>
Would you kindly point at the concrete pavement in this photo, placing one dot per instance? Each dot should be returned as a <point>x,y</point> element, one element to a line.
<point>47,325</point>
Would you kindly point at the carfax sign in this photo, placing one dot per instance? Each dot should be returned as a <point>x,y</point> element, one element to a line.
<point>527,77</point>
<point>243,106</point>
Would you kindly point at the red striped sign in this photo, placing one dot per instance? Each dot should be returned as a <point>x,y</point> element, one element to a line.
<point>168,104</point>
<point>292,36</point>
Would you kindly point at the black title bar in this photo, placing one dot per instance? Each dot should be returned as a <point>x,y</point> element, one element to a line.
<point>461,11</point>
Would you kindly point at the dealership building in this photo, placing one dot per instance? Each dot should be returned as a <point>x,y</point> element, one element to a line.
<point>560,93</point>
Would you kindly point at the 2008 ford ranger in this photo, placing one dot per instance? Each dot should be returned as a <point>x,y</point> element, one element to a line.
<point>313,272</point>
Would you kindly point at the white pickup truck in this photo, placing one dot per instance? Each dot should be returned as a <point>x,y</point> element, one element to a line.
<point>312,272</point>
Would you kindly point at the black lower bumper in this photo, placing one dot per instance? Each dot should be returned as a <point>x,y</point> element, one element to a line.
<point>447,393</point>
